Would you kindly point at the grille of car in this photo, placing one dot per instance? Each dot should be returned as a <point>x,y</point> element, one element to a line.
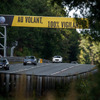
<point>56,59</point>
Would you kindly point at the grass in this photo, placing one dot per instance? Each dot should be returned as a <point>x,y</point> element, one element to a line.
<point>72,93</point>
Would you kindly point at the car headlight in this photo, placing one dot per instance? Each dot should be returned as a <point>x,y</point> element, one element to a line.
<point>4,65</point>
<point>34,59</point>
<point>53,59</point>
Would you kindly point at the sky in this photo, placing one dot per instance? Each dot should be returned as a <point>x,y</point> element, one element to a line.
<point>71,14</point>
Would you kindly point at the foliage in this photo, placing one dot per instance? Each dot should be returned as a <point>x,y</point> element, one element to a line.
<point>88,9</point>
<point>83,88</point>
<point>41,42</point>
<point>89,51</point>
<point>61,89</point>
<point>88,88</point>
<point>44,42</point>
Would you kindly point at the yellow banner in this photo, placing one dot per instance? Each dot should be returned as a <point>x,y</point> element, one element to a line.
<point>50,22</point>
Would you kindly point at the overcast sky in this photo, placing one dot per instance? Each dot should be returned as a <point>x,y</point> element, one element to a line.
<point>71,14</point>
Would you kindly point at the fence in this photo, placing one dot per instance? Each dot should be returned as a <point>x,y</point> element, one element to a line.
<point>27,84</point>
<point>15,59</point>
<point>20,59</point>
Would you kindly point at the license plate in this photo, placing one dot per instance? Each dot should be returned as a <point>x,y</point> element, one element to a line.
<point>0,66</point>
<point>57,59</point>
<point>29,62</point>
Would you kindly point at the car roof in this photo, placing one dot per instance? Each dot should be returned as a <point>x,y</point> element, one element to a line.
<point>3,58</point>
<point>29,56</point>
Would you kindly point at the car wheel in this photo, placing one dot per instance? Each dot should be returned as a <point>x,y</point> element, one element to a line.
<point>7,68</point>
<point>35,63</point>
<point>24,63</point>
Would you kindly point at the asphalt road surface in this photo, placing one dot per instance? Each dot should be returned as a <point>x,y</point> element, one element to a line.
<point>51,69</point>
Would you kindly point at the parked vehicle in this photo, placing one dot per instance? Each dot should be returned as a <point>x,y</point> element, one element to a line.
<point>57,59</point>
<point>74,62</point>
<point>4,63</point>
<point>0,56</point>
<point>30,60</point>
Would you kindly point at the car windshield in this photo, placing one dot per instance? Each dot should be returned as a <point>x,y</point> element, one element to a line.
<point>57,56</point>
<point>2,60</point>
<point>29,57</point>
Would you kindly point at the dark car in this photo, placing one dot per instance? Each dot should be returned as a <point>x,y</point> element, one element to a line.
<point>30,60</point>
<point>4,63</point>
<point>74,62</point>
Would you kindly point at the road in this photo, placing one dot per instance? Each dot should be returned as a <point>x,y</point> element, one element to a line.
<point>50,69</point>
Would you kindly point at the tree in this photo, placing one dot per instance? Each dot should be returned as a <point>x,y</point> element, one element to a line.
<point>35,41</point>
<point>89,9</point>
<point>41,42</point>
<point>89,51</point>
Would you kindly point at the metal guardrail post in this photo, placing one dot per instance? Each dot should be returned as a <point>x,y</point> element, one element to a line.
<point>39,85</point>
<point>28,84</point>
<point>7,82</point>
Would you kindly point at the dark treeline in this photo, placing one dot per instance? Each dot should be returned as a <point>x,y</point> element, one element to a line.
<point>41,42</point>
<point>46,42</point>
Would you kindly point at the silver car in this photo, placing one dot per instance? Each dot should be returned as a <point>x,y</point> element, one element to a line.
<point>30,60</point>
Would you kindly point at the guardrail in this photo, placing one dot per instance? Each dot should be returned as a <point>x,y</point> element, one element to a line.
<point>15,59</point>
<point>16,83</point>
<point>20,59</point>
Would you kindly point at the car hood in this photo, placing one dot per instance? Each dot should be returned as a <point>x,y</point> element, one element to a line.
<point>2,63</point>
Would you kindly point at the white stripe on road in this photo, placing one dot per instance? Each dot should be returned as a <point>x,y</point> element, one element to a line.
<point>64,70</point>
<point>21,70</point>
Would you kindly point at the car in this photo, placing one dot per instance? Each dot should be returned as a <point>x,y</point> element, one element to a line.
<point>4,63</point>
<point>57,59</point>
<point>30,60</point>
<point>74,62</point>
<point>0,56</point>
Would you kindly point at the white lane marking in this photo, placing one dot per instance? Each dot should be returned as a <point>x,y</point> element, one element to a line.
<point>64,70</point>
<point>21,70</point>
